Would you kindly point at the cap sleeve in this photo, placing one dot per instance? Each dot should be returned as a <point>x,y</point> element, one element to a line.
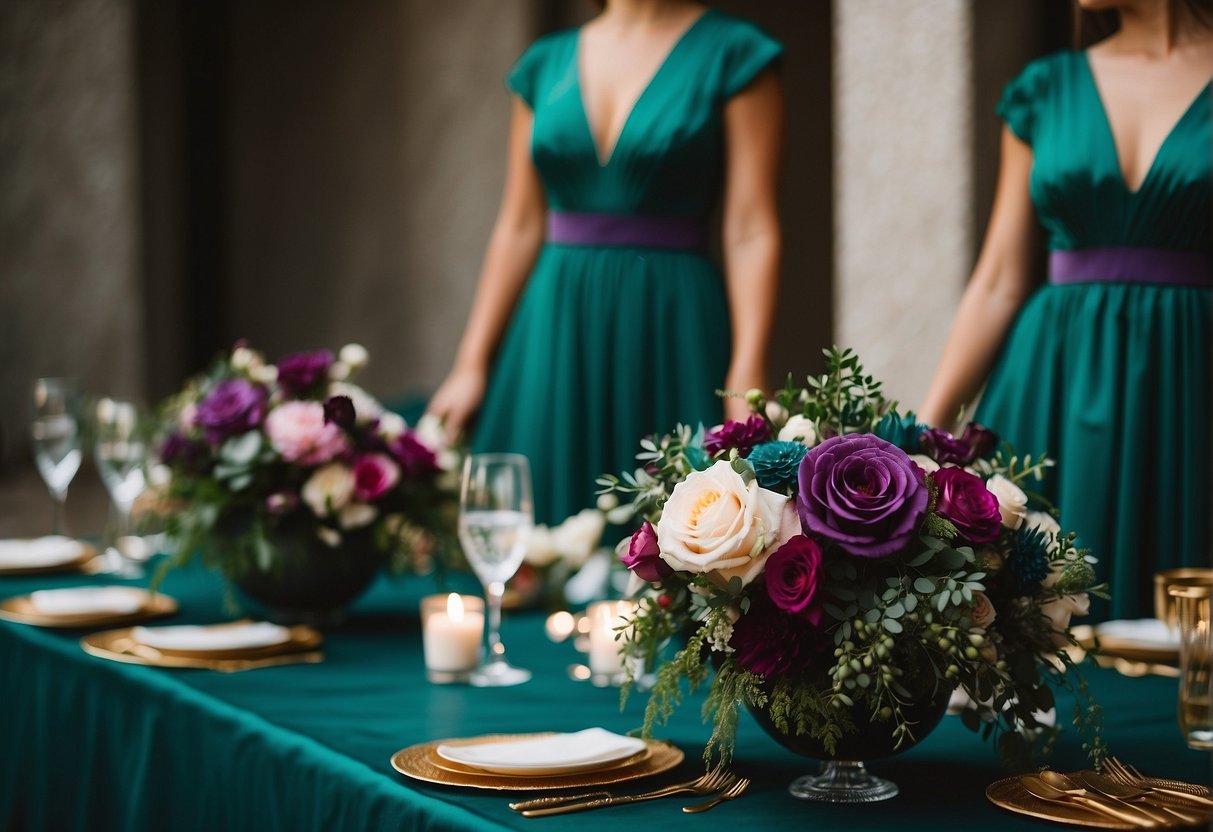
<point>523,77</point>
<point>1022,98</point>
<point>749,52</point>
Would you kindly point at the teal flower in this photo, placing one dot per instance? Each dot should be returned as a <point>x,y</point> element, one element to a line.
<point>776,463</point>
<point>1029,562</point>
<point>902,431</point>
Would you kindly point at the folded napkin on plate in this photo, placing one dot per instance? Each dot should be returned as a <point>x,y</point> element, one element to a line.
<point>213,637</point>
<point>83,600</point>
<point>593,745</point>
<point>1147,632</point>
<point>32,553</point>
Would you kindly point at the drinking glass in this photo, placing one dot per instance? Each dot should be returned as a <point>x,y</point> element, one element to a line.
<point>121,452</point>
<point>55,434</point>
<point>495,519</point>
<point>1194,605</point>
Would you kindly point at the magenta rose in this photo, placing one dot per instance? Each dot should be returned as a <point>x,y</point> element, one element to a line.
<point>340,411</point>
<point>964,499</point>
<point>793,572</point>
<point>740,435</point>
<point>976,441</point>
<point>374,476</point>
<point>415,457</point>
<point>771,643</point>
<point>644,555</point>
<point>299,433</point>
<point>302,371</point>
<point>862,493</point>
<point>232,407</point>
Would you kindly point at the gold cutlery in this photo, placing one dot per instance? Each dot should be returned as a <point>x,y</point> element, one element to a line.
<point>1133,795</point>
<point>735,790</point>
<point>713,781</point>
<point>1040,789</point>
<point>540,802</point>
<point>1129,776</point>
<point>1072,787</point>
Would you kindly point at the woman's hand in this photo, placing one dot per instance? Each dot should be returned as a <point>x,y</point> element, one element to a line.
<point>457,400</point>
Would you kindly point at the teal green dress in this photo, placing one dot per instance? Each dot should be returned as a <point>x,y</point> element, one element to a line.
<point>611,342</point>
<point>1111,374</point>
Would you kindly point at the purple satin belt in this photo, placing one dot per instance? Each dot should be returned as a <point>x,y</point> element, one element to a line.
<point>1155,266</point>
<point>573,229</point>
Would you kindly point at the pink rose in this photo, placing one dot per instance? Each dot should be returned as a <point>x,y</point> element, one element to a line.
<point>298,432</point>
<point>374,476</point>
<point>983,613</point>
<point>794,573</point>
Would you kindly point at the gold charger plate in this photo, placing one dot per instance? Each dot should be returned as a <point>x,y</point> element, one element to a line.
<point>120,646</point>
<point>1010,794</point>
<point>417,762</point>
<point>74,565</point>
<point>22,610</point>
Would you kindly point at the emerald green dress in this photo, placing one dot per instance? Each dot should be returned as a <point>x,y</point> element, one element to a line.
<point>1110,372</point>
<point>610,342</point>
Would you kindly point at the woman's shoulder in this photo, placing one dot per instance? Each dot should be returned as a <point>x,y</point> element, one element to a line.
<point>1039,74</point>
<point>737,29</point>
<point>739,48</point>
<point>526,77</point>
<point>546,45</point>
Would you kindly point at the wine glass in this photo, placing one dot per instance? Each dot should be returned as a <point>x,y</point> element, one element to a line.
<point>55,434</point>
<point>121,453</point>
<point>495,519</point>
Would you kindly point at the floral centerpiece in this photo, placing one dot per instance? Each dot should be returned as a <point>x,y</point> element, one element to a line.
<point>845,568</point>
<point>291,473</point>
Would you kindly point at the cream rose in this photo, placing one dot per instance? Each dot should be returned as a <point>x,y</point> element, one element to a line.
<point>925,463</point>
<point>576,538</point>
<point>715,523</point>
<point>329,489</point>
<point>983,613</point>
<point>1059,611</point>
<point>1012,502</point>
<point>540,549</point>
<point>356,515</point>
<point>799,429</point>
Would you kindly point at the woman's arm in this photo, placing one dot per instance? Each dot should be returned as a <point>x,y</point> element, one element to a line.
<point>514,245</point>
<point>754,137</point>
<point>1000,284</point>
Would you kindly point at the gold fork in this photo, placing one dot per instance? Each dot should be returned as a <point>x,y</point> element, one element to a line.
<point>735,790</point>
<point>1128,775</point>
<point>697,783</point>
<point>711,782</point>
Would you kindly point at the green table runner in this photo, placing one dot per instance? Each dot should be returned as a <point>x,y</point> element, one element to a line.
<point>92,744</point>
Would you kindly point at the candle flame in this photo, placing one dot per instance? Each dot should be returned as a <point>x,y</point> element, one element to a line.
<point>454,607</point>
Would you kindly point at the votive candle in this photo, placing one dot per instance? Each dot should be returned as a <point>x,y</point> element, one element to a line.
<point>452,629</point>
<point>606,618</point>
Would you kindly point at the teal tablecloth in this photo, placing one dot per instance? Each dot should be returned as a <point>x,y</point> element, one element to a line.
<point>91,744</point>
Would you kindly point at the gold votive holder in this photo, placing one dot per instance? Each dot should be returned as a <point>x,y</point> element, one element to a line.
<point>452,633</point>
<point>1164,604</point>
<point>1194,611</point>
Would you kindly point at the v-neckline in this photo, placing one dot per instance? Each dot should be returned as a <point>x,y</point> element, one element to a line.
<point>1103,109</point>
<point>604,163</point>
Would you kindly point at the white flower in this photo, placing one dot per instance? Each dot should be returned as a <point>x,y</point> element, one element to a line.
<point>777,414</point>
<point>366,407</point>
<point>715,523</point>
<point>607,502</point>
<point>722,634</point>
<point>265,374</point>
<point>925,463</point>
<point>430,433</point>
<point>185,418</point>
<point>540,548</point>
<point>246,360</point>
<point>1044,521</point>
<point>356,515</point>
<point>391,424</point>
<point>799,429</point>
<point>331,537</point>
<point>329,489</point>
<point>339,371</point>
<point>1012,502</point>
<point>354,356</point>
<point>577,537</point>
<point>1059,611</point>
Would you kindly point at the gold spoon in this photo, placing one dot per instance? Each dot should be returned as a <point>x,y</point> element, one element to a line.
<point>1131,794</point>
<point>1040,789</point>
<point>1074,788</point>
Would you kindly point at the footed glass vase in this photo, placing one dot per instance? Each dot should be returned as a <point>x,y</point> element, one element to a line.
<point>844,777</point>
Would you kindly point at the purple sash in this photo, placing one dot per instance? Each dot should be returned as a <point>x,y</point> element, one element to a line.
<point>683,233</point>
<point>1156,266</point>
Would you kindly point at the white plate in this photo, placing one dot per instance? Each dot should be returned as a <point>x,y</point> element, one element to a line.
<point>1145,633</point>
<point>565,753</point>
<point>39,552</point>
<point>213,637</point>
<point>88,600</point>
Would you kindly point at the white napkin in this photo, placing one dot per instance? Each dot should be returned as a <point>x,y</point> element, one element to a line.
<point>212,637</point>
<point>583,748</point>
<point>1146,632</point>
<point>51,550</point>
<point>83,600</point>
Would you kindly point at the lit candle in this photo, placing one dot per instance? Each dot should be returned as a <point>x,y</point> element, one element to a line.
<point>605,619</point>
<point>452,627</point>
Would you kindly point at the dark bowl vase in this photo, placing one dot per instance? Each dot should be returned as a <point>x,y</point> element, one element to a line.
<point>844,778</point>
<point>309,581</point>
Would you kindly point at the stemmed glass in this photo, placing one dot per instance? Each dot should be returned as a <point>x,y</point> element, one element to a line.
<point>496,515</point>
<point>121,453</point>
<point>55,434</point>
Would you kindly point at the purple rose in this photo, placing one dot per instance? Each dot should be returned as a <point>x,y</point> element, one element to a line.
<point>793,572</point>
<point>980,439</point>
<point>183,453</point>
<point>740,435</point>
<point>944,448</point>
<point>416,459</point>
<point>964,499</point>
<point>299,373</point>
<point>374,476</point>
<point>644,555</point>
<point>232,407</point>
<point>771,643</point>
<point>862,493</point>
<point>339,410</point>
